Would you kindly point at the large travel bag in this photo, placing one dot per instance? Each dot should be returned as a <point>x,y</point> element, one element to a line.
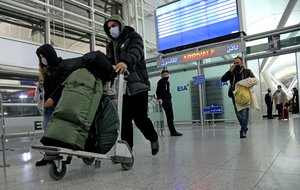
<point>105,128</point>
<point>70,123</point>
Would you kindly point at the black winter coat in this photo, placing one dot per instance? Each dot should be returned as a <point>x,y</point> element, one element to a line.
<point>129,49</point>
<point>163,90</point>
<point>59,69</point>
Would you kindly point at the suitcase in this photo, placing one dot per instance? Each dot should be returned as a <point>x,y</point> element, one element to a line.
<point>70,123</point>
<point>285,113</point>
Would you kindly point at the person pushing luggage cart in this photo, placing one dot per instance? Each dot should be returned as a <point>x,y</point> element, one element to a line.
<point>69,133</point>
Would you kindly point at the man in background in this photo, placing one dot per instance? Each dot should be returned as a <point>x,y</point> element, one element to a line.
<point>280,98</point>
<point>269,103</point>
<point>165,100</point>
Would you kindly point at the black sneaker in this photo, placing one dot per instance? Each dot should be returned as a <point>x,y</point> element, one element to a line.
<point>242,135</point>
<point>176,134</point>
<point>155,147</point>
<point>42,162</point>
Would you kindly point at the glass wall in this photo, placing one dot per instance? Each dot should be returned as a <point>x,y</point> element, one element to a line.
<point>298,77</point>
<point>21,27</point>
<point>216,92</point>
<point>255,115</point>
<point>278,70</point>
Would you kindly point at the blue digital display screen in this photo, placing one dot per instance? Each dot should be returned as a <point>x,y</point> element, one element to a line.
<point>188,22</point>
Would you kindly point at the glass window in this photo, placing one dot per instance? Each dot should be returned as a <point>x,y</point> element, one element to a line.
<point>216,92</point>
<point>70,39</point>
<point>16,98</point>
<point>21,27</point>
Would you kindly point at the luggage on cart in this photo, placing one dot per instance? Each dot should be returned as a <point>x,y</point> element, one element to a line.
<point>70,123</point>
<point>105,128</point>
<point>285,113</point>
<point>105,124</point>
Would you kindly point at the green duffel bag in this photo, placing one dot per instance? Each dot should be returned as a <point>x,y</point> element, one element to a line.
<point>105,128</point>
<point>70,123</point>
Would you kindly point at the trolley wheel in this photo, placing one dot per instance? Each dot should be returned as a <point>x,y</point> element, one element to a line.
<point>128,166</point>
<point>97,163</point>
<point>55,173</point>
<point>88,161</point>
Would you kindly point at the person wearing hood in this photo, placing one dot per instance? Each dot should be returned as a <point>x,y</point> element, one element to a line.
<point>53,71</point>
<point>126,52</point>
<point>165,100</point>
<point>280,98</point>
<point>236,73</point>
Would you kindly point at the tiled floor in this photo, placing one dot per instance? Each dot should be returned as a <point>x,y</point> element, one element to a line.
<point>209,158</point>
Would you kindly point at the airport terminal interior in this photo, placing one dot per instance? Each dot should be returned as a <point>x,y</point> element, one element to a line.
<point>210,155</point>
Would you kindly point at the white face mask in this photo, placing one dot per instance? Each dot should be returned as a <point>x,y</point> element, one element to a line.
<point>114,32</point>
<point>44,61</point>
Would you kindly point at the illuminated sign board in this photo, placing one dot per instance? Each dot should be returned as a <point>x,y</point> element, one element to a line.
<point>189,56</point>
<point>199,55</point>
<point>188,23</point>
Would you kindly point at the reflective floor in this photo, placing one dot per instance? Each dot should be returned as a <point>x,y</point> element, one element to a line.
<point>209,158</point>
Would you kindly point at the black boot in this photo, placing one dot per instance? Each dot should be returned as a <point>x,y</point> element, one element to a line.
<point>242,134</point>
<point>176,134</point>
<point>154,147</point>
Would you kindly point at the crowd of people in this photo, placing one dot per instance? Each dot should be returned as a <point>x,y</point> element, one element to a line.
<point>282,104</point>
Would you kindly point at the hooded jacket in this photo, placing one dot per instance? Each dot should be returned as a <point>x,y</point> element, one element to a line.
<point>128,48</point>
<point>58,71</point>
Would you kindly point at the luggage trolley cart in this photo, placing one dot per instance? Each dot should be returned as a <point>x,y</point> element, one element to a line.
<point>156,114</point>
<point>59,157</point>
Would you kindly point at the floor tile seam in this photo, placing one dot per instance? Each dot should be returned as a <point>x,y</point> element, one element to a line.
<point>272,172</point>
<point>204,176</point>
<point>266,171</point>
<point>218,168</point>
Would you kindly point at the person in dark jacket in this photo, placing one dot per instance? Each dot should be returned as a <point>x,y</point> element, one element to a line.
<point>269,103</point>
<point>165,100</point>
<point>236,73</point>
<point>295,100</point>
<point>126,52</point>
<point>53,71</point>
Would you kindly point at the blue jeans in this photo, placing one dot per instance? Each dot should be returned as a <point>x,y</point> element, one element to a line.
<point>243,116</point>
<point>47,115</point>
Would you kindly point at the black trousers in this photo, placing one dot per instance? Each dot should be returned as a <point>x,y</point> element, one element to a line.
<point>135,108</point>
<point>167,105</point>
<point>279,107</point>
<point>269,110</point>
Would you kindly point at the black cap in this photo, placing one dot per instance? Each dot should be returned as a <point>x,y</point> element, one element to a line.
<point>164,71</point>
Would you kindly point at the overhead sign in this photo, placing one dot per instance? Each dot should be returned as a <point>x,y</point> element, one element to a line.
<point>213,109</point>
<point>188,56</point>
<point>199,79</point>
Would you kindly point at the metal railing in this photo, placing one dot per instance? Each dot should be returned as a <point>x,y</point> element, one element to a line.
<point>2,128</point>
<point>156,114</point>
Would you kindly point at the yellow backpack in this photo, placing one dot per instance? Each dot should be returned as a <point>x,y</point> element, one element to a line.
<point>242,96</point>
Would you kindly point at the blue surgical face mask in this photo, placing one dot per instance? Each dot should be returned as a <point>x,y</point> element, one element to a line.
<point>44,61</point>
<point>114,32</point>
